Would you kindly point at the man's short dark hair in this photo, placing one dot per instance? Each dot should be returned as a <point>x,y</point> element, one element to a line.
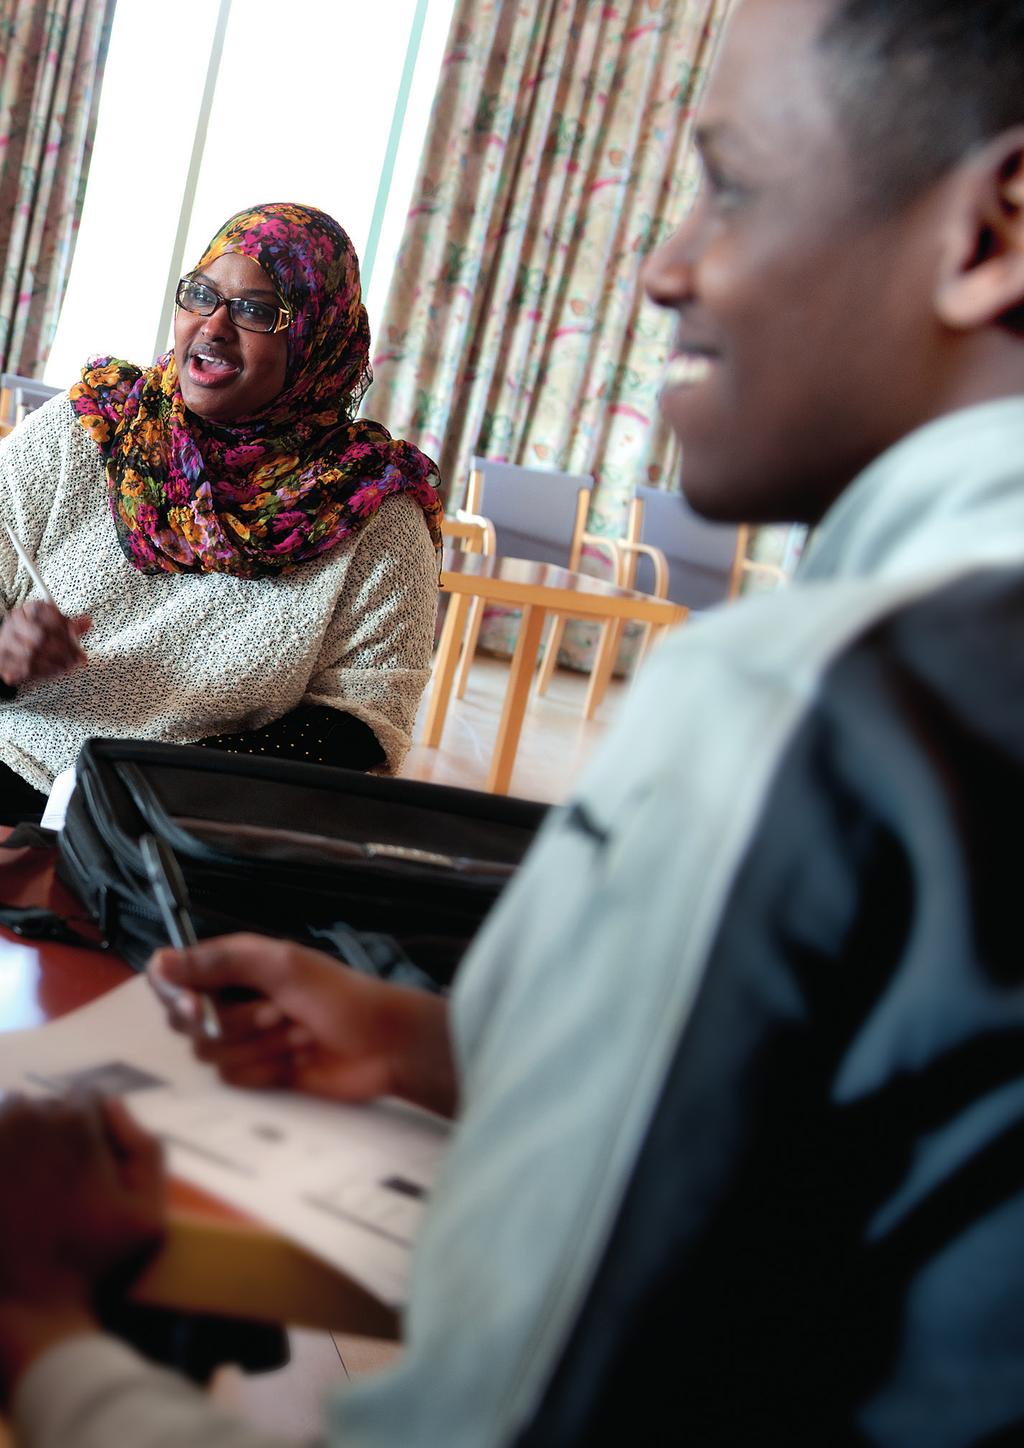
<point>922,83</point>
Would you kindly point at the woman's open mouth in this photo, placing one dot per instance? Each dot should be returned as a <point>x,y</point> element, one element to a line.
<point>208,369</point>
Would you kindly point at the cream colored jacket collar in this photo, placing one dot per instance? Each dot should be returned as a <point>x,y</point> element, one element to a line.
<point>954,489</point>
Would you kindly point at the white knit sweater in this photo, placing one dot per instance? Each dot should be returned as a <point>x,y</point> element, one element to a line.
<point>183,656</point>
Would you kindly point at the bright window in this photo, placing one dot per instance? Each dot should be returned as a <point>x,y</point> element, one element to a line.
<point>304,114</point>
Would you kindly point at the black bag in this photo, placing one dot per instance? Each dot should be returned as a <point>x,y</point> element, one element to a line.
<point>308,852</point>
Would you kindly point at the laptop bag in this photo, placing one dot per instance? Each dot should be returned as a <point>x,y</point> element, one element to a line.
<point>403,870</point>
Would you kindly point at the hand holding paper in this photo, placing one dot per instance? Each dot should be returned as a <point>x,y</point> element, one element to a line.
<point>89,1208</point>
<point>348,1183</point>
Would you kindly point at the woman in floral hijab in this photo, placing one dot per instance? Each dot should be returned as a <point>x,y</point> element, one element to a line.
<point>262,575</point>
<point>256,494</point>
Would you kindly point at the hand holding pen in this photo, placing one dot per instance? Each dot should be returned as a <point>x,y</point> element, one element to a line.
<point>171,895</point>
<point>37,641</point>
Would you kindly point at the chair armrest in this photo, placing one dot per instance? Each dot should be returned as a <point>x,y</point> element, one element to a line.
<point>657,557</point>
<point>767,570</point>
<point>597,540</point>
<point>474,528</point>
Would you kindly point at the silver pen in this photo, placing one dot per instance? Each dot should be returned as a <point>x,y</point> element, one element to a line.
<point>171,895</point>
<point>29,564</point>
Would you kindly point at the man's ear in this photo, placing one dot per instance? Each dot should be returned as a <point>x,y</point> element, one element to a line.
<point>981,277</point>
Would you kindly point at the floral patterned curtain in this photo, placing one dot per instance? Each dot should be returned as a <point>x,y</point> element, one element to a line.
<point>558,155</point>
<point>52,54</point>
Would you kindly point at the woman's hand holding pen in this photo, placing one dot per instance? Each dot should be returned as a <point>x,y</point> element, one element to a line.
<point>37,641</point>
<point>314,1025</point>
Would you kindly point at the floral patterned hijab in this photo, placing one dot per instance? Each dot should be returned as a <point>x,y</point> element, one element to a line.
<point>282,486</point>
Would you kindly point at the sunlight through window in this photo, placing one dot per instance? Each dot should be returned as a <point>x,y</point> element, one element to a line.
<point>300,116</point>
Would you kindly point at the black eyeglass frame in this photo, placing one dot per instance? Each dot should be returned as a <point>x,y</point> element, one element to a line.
<point>284,314</point>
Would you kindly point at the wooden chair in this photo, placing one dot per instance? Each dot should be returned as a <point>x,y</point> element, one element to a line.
<point>472,534</point>
<point>535,514</point>
<point>693,562</point>
<point>685,558</point>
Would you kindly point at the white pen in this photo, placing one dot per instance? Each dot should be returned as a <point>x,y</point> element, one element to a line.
<point>30,567</point>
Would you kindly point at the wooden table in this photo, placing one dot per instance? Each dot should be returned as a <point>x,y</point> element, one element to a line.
<point>538,589</point>
<point>215,1258</point>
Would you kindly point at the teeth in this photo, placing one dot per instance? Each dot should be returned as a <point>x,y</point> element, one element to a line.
<point>687,370</point>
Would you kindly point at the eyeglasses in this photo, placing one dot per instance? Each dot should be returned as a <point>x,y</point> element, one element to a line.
<point>245,312</point>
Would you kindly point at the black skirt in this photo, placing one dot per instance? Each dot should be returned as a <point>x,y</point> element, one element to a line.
<point>18,800</point>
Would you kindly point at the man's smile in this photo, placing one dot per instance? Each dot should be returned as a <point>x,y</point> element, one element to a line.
<point>688,369</point>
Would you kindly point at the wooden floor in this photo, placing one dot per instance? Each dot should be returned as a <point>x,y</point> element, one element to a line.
<point>555,744</point>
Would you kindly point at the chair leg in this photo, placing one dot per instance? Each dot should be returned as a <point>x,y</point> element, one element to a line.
<point>517,693</point>
<point>476,618</point>
<point>651,634</point>
<point>655,632</point>
<point>551,648</point>
<point>444,669</point>
<point>646,638</point>
<point>604,663</point>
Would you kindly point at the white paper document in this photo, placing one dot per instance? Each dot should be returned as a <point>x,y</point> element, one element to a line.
<point>348,1183</point>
